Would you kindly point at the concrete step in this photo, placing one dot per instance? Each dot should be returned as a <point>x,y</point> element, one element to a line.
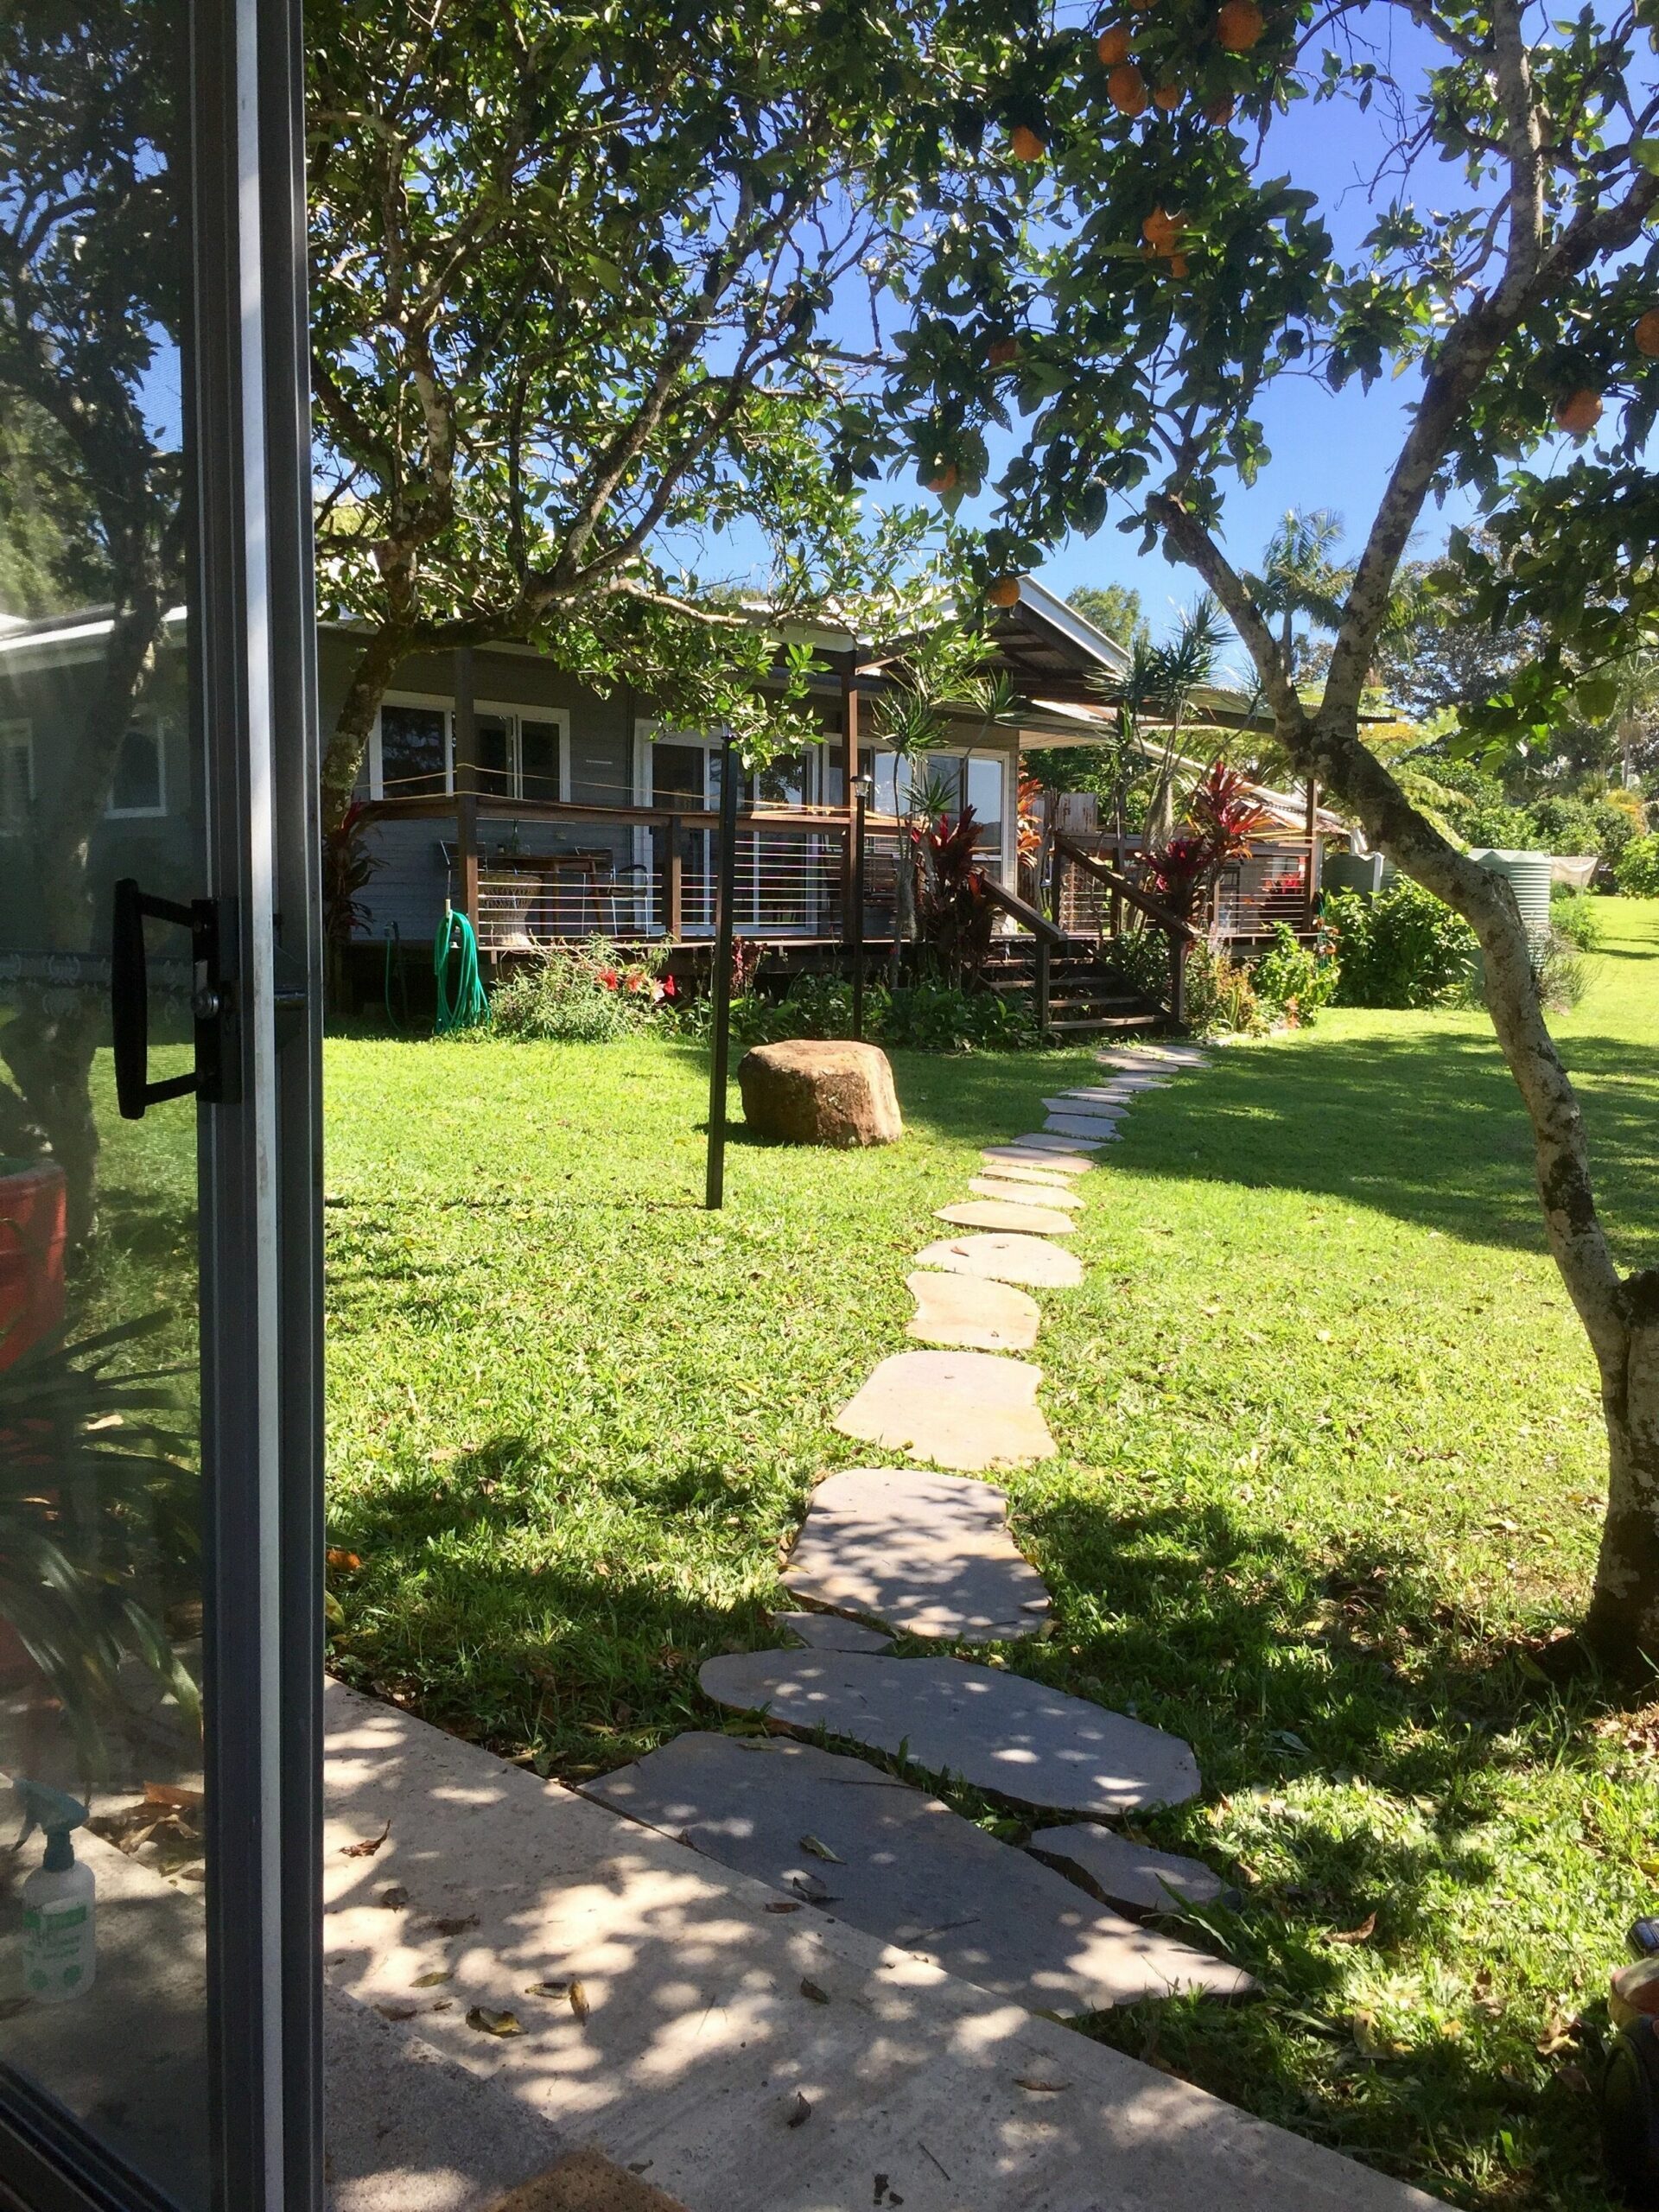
<point>740,2059</point>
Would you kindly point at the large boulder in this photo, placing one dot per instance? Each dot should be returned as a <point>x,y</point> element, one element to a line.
<point>814,1092</point>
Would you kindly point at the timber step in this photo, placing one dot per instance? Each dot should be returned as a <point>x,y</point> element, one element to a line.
<point>1084,998</point>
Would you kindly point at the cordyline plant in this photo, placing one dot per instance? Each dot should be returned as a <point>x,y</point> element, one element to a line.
<point>953,904</point>
<point>1122,257</point>
<point>1224,818</point>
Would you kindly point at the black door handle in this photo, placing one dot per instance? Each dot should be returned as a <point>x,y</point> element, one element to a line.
<point>129,1000</point>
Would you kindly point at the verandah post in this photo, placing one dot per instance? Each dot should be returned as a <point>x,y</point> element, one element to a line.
<point>673,881</point>
<point>465,774</point>
<point>714,1187</point>
<point>858,911</point>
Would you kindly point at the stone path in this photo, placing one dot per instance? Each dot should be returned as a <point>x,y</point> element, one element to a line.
<point>972,1310</point>
<point>964,1409</point>
<point>925,1552</point>
<point>1005,1259</point>
<point>1124,1872</point>
<point>1029,1218</point>
<point>995,1731</point>
<point>897,1863</point>
<point>1016,1190</point>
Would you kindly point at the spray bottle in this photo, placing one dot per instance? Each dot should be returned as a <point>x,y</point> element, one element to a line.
<point>60,1900</point>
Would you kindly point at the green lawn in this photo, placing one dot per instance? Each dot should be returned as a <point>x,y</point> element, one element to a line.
<point>1329,1457</point>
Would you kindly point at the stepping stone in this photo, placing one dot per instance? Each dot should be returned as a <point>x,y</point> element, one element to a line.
<point>1103,1095</point>
<point>1072,1103</point>
<point>973,1312</point>
<point>966,1409</point>
<point>997,1213</point>
<point>1039,1141</point>
<point>925,1552</point>
<point>1084,1127</point>
<point>1049,1171</point>
<point>829,1632</point>
<point>1006,1259</point>
<point>1151,1057</point>
<point>992,1729</point>
<point>1127,1873</point>
<point>1014,1190</point>
<point>906,1869</point>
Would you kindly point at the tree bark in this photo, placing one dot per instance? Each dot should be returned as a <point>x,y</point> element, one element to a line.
<point>342,758</point>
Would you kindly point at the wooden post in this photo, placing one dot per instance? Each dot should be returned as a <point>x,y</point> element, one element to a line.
<point>1311,881</point>
<point>858,913</point>
<point>1042,987</point>
<point>852,916</point>
<point>1176,981</point>
<point>465,780</point>
<point>674,882</point>
<point>714,1186</point>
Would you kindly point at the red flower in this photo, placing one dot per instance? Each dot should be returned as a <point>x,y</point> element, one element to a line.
<point>667,988</point>
<point>609,977</point>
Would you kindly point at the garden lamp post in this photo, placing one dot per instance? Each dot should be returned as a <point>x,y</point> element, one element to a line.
<point>725,896</point>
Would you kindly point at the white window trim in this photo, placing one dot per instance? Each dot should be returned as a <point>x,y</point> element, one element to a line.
<point>10,734</point>
<point>512,712</point>
<point>156,729</point>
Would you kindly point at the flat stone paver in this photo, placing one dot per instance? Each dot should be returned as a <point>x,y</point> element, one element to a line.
<point>1128,1873</point>
<point>999,1214</point>
<point>1006,1259</point>
<point>964,1410</point>
<point>1044,1140</point>
<point>906,1869</point>
<point>994,1730</point>
<point>829,1632</point>
<point>1015,1190</point>
<point>972,1312</point>
<point>1108,1094</point>
<point>698,2046</point>
<point>1183,1055</point>
<point>925,1552</point>
<point>1083,1126</point>
<point>1111,1109</point>
<point>1052,1171</point>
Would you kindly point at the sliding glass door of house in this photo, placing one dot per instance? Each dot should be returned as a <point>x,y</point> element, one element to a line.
<point>160,1537</point>
<point>786,881</point>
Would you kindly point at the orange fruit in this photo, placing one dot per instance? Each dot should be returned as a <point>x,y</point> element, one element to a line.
<point>1126,88</point>
<point>1113,45</point>
<point>1024,144</point>
<point>1168,97</point>
<point>1005,592</point>
<point>1001,351</point>
<point>1647,334</point>
<point>946,478</point>
<point>1579,413</point>
<point>1220,110</point>
<point>1239,24</point>
<point>1161,229</point>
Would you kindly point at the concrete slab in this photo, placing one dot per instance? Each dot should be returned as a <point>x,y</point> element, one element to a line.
<point>964,1410</point>
<point>994,1730</point>
<point>1014,1190</point>
<point>699,2049</point>
<point>1044,1140</point>
<point>1127,1873</point>
<point>829,1632</point>
<point>1006,1259</point>
<point>906,1869</point>
<point>926,1553</point>
<point>972,1311</point>
<point>1028,1220</point>
<point>1009,1165</point>
<point>1087,1129</point>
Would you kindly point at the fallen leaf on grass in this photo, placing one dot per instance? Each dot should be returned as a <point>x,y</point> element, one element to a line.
<point>1559,2032</point>
<point>801,2113</point>
<point>1362,1934</point>
<point>810,1989</point>
<point>493,2023</point>
<point>369,1846</point>
<point>547,1988</point>
<point>432,1980</point>
<point>346,1562</point>
<point>578,2004</point>
<point>822,1851</point>
<point>1035,2082</point>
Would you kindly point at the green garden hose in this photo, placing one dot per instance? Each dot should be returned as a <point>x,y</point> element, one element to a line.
<point>467,1006</point>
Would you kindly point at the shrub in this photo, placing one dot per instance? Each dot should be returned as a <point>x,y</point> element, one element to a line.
<point>585,995</point>
<point>1403,947</point>
<point>1293,980</point>
<point>1139,959</point>
<point>1574,915</point>
<point>1558,969</point>
<point>1219,993</point>
<point>1636,869</point>
<point>928,1016</point>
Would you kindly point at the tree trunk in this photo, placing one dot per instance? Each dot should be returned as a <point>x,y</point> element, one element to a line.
<point>342,758</point>
<point>1622,1625</point>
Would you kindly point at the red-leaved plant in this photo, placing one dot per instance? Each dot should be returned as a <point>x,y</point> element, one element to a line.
<point>953,907</point>
<point>1223,818</point>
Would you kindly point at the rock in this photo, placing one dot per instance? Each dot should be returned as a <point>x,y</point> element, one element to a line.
<point>1006,1259</point>
<point>1127,1873</point>
<point>909,1870</point>
<point>829,1632</point>
<point>1016,1190</point>
<point>1043,1141</point>
<point>994,1730</point>
<point>997,1213</point>
<point>926,1553</point>
<point>813,1091</point>
<point>972,1312</point>
<point>1083,1126</point>
<point>1050,1171</point>
<point>965,1409</point>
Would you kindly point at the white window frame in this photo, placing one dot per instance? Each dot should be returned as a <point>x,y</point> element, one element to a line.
<point>20,729</point>
<point>154,726</point>
<point>514,712</point>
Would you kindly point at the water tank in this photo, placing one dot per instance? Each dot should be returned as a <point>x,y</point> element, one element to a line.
<point>1528,875</point>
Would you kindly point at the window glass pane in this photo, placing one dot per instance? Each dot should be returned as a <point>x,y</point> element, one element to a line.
<point>985,785</point>
<point>494,759</point>
<point>782,782</point>
<point>936,784</point>
<point>136,788</point>
<point>682,775</point>
<point>538,759</point>
<point>411,751</point>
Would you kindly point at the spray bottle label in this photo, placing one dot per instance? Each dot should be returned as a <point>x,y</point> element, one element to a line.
<point>57,1946</point>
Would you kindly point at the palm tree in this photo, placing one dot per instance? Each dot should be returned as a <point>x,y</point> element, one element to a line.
<point>1300,575</point>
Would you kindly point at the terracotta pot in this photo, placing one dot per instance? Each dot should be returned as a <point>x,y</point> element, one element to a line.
<point>33,1217</point>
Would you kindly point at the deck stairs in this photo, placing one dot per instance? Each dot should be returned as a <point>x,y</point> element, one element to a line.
<point>1085,998</point>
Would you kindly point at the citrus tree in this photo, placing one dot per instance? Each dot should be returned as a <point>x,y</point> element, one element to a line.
<point>1125,261</point>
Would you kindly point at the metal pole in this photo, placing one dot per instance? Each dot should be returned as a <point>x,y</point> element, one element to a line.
<point>714,1190</point>
<point>857,903</point>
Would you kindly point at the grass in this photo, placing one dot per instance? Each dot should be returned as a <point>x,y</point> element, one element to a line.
<point>1329,1464</point>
